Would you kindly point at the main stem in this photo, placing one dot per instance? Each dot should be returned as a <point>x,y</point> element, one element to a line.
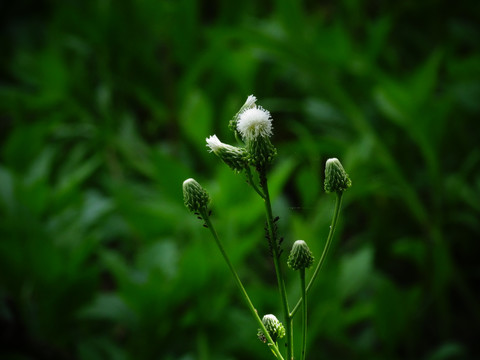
<point>338,204</point>
<point>278,270</point>
<point>304,310</point>
<point>249,303</point>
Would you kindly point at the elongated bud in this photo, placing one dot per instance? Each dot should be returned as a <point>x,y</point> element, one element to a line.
<point>336,179</point>
<point>249,103</point>
<point>195,196</point>
<point>235,157</point>
<point>274,327</point>
<point>300,257</point>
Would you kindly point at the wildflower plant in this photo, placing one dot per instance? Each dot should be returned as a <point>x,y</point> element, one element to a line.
<point>253,129</point>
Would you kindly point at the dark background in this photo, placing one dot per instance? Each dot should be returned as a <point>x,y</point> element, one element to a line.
<point>104,111</point>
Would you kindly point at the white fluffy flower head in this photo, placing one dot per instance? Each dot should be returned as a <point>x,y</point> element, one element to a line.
<point>254,122</point>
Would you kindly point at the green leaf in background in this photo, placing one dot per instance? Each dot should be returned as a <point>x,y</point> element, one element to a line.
<point>355,271</point>
<point>196,118</point>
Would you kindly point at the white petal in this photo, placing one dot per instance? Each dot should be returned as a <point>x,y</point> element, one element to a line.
<point>214,143</point>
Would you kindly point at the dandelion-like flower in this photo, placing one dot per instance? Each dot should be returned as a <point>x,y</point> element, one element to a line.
<point>254,122</point>
<point>234,157</point>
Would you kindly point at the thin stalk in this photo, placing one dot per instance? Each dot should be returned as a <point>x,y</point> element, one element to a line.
<point>338,204</point>
<point>278,270</point>
<point>248,172</point>
<point>304,309</point>
<point>249,303</point>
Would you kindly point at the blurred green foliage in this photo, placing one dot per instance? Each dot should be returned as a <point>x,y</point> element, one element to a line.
<point>104,110</point>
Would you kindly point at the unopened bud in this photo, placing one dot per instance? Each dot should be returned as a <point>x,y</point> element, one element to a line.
<point>274,327</point>
<point>300,257</point>
<point>261,152</point>
<point>249,103</point>
<point>195,196</point>
<point>336,179</point>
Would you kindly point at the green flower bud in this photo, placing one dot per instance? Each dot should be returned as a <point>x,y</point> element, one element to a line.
<point>235,157</point>
<point>336,179</point>
<point>195,196</point>
<point>300,257</point>
<point>274,327</point>
<point>261,152</point>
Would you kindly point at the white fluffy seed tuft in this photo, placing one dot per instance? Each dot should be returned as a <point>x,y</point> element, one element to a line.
<point>254,122</point>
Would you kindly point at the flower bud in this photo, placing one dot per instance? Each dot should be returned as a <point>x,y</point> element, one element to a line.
<point>195,196</point>
<point>251,100</point>
<point>336,179</point>
<point>261,152</point>
<point>274,327</point>
<point>300,257</point>
<point>235,157</point>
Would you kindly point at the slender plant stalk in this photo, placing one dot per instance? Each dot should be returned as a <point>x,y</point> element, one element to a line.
<point>278,271</point>
<point>249,303</point>
<point>252,183</point>
<point>304,309</point>
<point>338,204</point>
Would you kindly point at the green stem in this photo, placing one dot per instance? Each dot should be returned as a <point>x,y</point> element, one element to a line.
<point>249,303</point>
<point>278,270</point>
<point>252,183</point>
<point>304,307</point>
<point>338,204</point>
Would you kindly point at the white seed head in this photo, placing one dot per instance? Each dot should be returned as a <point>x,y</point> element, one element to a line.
<point>254,122</point>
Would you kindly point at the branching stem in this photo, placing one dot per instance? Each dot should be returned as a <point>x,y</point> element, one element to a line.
<point>338,204</point>
<point>278,269</point>
<point>249,303</point>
